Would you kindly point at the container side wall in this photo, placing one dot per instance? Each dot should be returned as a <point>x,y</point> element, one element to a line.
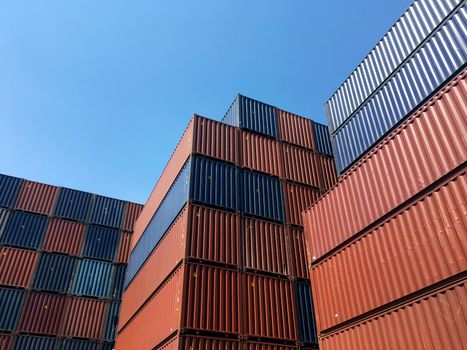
<point>257,116</point>
<point>93,278</point>
<point>107,212</point>
<point>301,165</point>
<point>85,318</point>
<point>11,301</point>
<point>305,313</point>
<point>9,188</point>
<point>322,139</point>
<point>124,248</point>
<point>298,254</point>
<point>6,341</point>
<point>64,236</point>
<point>111,322</point>
<point>298,198</point>
<point>32,342</point>
<point>132,211</point>
<point>17,266</point>
<point>24,230</point>
<point>78,344</point>
<point>55,272</point>
<point>73,204</point>
<point>260,153</point>
<point>36,197</point>
<point>101,243</point>
<point>296,130</point>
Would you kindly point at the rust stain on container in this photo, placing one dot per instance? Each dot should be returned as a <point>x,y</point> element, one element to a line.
<point>6,341</point>
<point>298,254</point>
<point>124,249</point>
<point>132,212</point>
<point>297,199</point>
<point>296,129</point>
<point>64,236</point>
<point>328,172</point>
<point>85,318</point>
<point>17,266</point>
<point>301,165</point>
<point>260,153</point>
<point>36,197</point>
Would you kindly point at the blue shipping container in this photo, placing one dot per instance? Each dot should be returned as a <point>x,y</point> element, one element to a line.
<point>108,346</point>
<point>78,344</point>
<point>250,114</point>
<point>55,272</point>
<point>118,281</point>
<point>305,314</point>
<point>107,212</point>
<point>93,278</point>
<point>9,188</point>
<point>101,242</point>
<point>3,219</point>
<point>24,230</point>
<point>111,322</point>
<point>73,204</point>
<point>33,342</point>
<point>322,138</point>
<point>11,302</point>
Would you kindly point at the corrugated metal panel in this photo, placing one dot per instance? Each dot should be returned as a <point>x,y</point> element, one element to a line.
<point>265,246</point>
<point>16,266</point>
<point>101,242</point>
<point>322,138</point>
<point>436,321</point>
<point>296,129</point>
<point>85,318</point>
<point>11,301</point>
<point>124,248</point>
<point>73,204</point>
<point>215,139</point>
<point>4,213</point>
<point>9,187</point>
<point>55,272</point>
<point>397,45</point>
<point>110,328</point>
<point>132,211</point>
<point>144,331</point>
<point>33,342</point>
<point>36,197</point>
<point>214,183</point>
<point>262,196</point>
<point>107,211</point>
<point>424,148</point>
<point>118,279</point>
<point>431,66</point>
<point>305,313</point>
<point>298,198</point>
<point>269,305</point>
<point>24,230</point>
<point>301,165</point>
<point>267,346</point>
<point>6,341</point>
<point>168,253</point>
<point>64,236</point>
<point>260,153</point>
<point>173,343</point>
<point>43,313</point>
<point>78,344</point>
<point>328,172</point>
<point>212,299</point>
<point>108,346</point>
<point>298,255</point>
<point>203,343</point>
<point>161,221</point>
<point>93,278</point>
<point>214,236</point>
<point>421,245</point>
<point>252,115</point>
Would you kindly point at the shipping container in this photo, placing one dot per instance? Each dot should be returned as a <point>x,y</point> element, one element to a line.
<point>423,149</point>
<point>101,243</point>
<point>251,345</point>
<point>295,129</point>
<point>108,346</point>
<point>417,79</point>
<point>305,313</point>
<point>205,343</point>
<point>9,188</point>
<point>124,248</point>
<point>54,273</point>
<point>43,313</point>
<point>112,321</point>
<point>265,246</point>
<point>64,236</point>
<point>297,199</point>
<point>421,245</point>
<point>118,280</point>
<point>85,318</point>
<point>73,204</point>
<point>17,266</point>
<point>262,196</point>
<point>301,165</point>
<point>250,114</point>
<point>398,44</point>
<point>260,153</point>
<point>4,213</point>
<point>36,197</point>
<point>24,230</point>
<point>79,344</point>
<point>322,139</point>
<point>11,302</point>
<point>132,211</point>
<point>328,172</point>
<point>6,341</point>
<point>34,342</point>
<point>107,211</point>
<point>298,256</point>
<point>93,278</point>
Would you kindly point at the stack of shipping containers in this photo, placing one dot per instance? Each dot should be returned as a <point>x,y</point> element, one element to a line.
<point>63,255</point>
<point>388,243</point>
<point>219,256</point>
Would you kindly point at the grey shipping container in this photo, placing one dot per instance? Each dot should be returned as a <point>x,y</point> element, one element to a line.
<point>322,138</point>
<point>305,314</point>
<point>24,230</point>
<point>101,242</point>
<point>73,204</point>
<point>119,279</point>
<point>78,344</point>
<point>55,272</point>
<point>107,212</point>
<point>111,322</point>
<point>11,301</point>
<point>33,342</point>
<point>9,188</point>
<point>93,278</point>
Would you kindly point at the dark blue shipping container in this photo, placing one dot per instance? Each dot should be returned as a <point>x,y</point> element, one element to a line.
<point>93,278</point>
<point>55,272</point>
<point>33,342</point>
<point>3,219</point>
<point>322,138</point>
<point>9,188</point>
<point>101,242</point>
<point>107,212</point>
<point>11,302</point>
<point>108,346</point>
<point>213,183</point>
<point>305,314</point>
<point>111,322</point>
<point>24,230</point>
<point>250,114</point>
<point>73,204</point>
<point>262,196</point>
<point>78,344</point>
<point>118,281</point>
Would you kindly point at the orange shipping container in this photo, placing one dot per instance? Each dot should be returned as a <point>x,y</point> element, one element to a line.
<point>297,199</point>
<point>17,266</point>
<point>124,249</point>
<point>260,153</point>
<point>268,346</point>
<point>298,254</point>
<point>85,318</point>
<point>296,129</point>
<point>301,165</point>
<point>132,211</point>
<point>64,236</point>
<point>36,197</point>
<point>328,172</point>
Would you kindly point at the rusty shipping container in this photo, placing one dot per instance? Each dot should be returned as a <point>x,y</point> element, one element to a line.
<point>36,197</point>
<point>85,318</point>
<point>260,153</point>
<point>64,236</point>
<point>297,199</point>
<point>17,266</point>
<point>295,129</point>
<point>301,165</point>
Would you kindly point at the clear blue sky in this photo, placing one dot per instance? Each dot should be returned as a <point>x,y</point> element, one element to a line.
<point>94,95</point>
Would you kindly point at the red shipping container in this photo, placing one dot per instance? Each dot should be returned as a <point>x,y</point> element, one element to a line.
<point>427,146</point>
<point>301,165</point>
<point>260,153</point>
<point>132,211</point>
<point>204,343</point>
<point>268,346</point>
<point>298,254</point>
<point>297,199</point>
<point>265,246</point>
<point>43,313</point>
<point>124,249</point>
<point>436,321</point>
<point>6,341</point>
<point>17,266</point>
<point>270,308</point>
<point>64,236</point>
<point>423,244</point>
<point>85,318</point>
<point>296,129</point>
<point>36,197</point>
<point>328,172</point>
